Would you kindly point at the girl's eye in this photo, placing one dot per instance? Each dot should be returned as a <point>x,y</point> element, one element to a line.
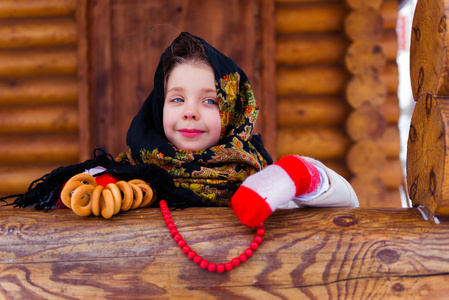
<point>210,101</point>
<point>177,100</point>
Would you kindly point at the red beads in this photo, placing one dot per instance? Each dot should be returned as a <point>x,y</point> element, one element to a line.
<point>197,259</point>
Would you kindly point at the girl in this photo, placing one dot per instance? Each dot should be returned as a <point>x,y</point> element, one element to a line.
<point>197,124</point>
<point>192,141</point>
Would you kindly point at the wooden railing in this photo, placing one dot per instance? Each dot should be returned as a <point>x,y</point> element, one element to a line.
<point>306,253</point>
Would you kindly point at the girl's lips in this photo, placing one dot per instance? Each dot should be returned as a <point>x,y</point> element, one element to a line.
<point>190,132</point>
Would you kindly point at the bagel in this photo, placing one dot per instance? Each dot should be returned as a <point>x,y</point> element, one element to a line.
<point>84,177</point>
<point>116,194</point>
<point>107,204</point>
<point>96,195</point>
<point>138,196</point>
<point>148,195</point>
<point>137,181</point>
<point>81,200</point>
<point>66,193</point>
<point>128,195</point>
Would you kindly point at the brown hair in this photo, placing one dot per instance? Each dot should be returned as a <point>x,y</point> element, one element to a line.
<point>185,49</point>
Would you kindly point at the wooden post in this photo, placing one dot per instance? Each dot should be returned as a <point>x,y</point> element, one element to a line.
<point>427,161</point>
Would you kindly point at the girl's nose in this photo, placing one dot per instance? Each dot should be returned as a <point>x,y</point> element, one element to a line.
<point>191,112</point>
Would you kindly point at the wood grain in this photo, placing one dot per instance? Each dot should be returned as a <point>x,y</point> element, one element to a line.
<point>307,253</point>
<point>428,49</point>
<point>427,163</point>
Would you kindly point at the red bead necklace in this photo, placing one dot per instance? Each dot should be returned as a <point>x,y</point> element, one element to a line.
<point>197,259</point>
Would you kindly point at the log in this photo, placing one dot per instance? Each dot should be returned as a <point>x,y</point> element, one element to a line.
<point>317,16</point>
<point>390,141</point>
<point>28,62</point>
<point>15,179</point>
<point>365,58</point>
<point>364,25</point>
<point>36,8</point>
<point>326,110</point>
<point>390,76</point>
<point>324,48</point>
<point>311,80</point>
<point>326,79</point>
<point>304,1</point>
<point>428,49</point>
<point>310,17</point>
<point>366,90</point>
<point>39,119</point>
<point>390,108</point>
<point>392,174</point>
<point>306,253</point>
<point>310,110</point>
<point>324,142</point>
<point>42,89</point>
<point>389,11</point>
<point>57,148</point>
<point>364,5</point>
<point>366,122</point>
<point>427,163</point>
<point>366,158</point>
<point>321,142</point>
<point>23,33</point>
<point>370,190</point>
<point>374,193</point>
<point>310,49</point>
<point>389,42</point>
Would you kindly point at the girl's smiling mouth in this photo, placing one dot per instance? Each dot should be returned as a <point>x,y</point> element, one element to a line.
<point>190,132</point>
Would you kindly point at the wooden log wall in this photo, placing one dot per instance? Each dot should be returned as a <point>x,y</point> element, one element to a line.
<point>327,107</point>
<point>38,90</point>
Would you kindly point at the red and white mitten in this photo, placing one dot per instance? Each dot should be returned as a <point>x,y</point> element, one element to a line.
<point>262,193</point>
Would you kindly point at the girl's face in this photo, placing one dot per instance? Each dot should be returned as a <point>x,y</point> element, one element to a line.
<point>191,116</point>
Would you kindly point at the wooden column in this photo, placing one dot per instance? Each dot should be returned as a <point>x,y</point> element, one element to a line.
<point>427,157</point>
<point>366,93</point>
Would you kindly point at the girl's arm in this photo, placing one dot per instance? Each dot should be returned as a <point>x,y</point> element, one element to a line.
<point>304,180</point>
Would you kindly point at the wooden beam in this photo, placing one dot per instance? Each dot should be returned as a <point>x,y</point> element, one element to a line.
<point>315,253</point>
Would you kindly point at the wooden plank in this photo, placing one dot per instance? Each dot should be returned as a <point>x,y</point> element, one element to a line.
<point>315,253</point>
<point>326,110</point>
<point>32,61</point>
<point>85,103</point>
<point>15,179</point>
<point>267,87</point>
<point>37,33</point>
<point>326,79</point>
<point>49,148</point>
<point>42,90</point>
<point>323,16</point>
<point>36,8</point>
<point>40,119</point>
<point>327,142</point>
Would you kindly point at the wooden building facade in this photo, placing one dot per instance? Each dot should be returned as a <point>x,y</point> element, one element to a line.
<point>74,73</point>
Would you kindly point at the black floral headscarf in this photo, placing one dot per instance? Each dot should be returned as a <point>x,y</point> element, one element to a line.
<point>214,173</point>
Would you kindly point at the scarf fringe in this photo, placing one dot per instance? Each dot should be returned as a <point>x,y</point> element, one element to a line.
<point>44,192</point>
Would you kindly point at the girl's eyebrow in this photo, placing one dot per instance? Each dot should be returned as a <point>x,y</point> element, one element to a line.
<point>181,89</point>
<point>176,89</point>
<point>207,90</point>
